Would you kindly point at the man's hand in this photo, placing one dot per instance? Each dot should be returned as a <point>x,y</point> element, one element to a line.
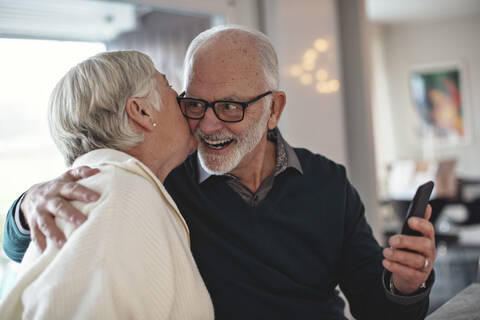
<point>47,200</point>
<point>411,269</point>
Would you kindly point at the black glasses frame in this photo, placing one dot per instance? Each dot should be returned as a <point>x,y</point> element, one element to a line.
<point>212,105</point>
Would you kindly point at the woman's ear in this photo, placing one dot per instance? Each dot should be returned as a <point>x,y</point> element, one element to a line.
<point>279,99</point>
<point>139,115</point>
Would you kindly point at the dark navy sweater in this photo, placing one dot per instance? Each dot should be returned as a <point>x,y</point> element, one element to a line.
<point>283,258</point>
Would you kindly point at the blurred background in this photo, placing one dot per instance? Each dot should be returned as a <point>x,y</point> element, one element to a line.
<point>385,87</point>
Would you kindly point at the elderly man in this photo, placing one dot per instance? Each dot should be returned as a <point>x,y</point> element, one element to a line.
<point>274,229</point>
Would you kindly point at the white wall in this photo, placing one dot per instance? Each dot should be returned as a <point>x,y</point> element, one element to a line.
<point>385,150</point>
<point>311,119</point>
<point>242,12</point>
<point>410,45</point>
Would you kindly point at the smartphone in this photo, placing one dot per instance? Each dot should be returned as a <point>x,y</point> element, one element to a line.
<point>417,207</point>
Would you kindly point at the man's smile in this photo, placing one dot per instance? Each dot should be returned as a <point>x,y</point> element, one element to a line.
<point>217,144</point>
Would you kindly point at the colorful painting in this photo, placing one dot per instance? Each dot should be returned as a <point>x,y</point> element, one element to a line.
<point>438,97</point>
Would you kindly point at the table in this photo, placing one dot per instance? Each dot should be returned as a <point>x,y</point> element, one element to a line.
<point>464,306</point>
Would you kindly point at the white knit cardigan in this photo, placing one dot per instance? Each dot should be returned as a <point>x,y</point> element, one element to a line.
<point>131,259</point>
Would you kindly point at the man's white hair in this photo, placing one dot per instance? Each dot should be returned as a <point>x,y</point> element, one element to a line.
<point>87,106</point>
<point>266,52</point>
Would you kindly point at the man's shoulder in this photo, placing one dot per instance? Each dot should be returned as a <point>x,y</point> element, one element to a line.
<point>187,168</point>
<point>182,179</point>
<point>317,163</point>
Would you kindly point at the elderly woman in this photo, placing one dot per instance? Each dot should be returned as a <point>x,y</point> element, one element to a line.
<point>131,259</point>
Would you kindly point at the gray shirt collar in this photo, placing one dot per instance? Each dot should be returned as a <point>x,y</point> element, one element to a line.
<point>285,158</point>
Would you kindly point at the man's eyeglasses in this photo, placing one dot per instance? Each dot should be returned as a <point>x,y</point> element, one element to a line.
<point>225,110</point>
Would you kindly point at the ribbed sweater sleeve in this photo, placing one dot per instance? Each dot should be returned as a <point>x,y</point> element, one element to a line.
<point>129,260</point>
<point>104,271</point>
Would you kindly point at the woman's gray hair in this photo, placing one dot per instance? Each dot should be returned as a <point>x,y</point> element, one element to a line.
<point>87,106</point>
<point>266,52</point>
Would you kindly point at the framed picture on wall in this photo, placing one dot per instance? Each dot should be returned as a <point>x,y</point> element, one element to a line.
<point>440,98</point>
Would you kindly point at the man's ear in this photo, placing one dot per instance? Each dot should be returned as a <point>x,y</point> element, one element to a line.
<point>139,115</point>
<point>279,99</point>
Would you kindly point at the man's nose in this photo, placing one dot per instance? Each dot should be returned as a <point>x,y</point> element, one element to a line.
<point>210,123</point>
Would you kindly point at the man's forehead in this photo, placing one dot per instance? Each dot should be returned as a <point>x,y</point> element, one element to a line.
<point>225,63</point>
<point>224,81</point>
<point>226,57</point>
<point>228,64</point>
<point>232,36</point>
<point>229,44</point>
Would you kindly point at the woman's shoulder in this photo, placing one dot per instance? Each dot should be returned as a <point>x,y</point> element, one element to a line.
<point>120,186</point>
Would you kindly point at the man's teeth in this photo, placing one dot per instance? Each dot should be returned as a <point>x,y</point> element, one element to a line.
<point>217,144</point>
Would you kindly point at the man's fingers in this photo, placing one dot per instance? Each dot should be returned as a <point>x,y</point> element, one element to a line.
<point>75,191</point>
<point>410,269</point>
<point>78,173</point>
<point>50,199</point>
<point>423,226</point>
<point>64,209</point>
<point>404,271</point>
<point>422,245</point>
<point>428,212</point>
<point>38,237</point>
<point>409,259</point>
<point>46,224</point>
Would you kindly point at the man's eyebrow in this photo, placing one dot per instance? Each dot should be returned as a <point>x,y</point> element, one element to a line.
<point>232,98</point>
<point>229,98</point>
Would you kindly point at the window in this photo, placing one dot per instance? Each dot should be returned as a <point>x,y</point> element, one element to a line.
<point>29,71</point>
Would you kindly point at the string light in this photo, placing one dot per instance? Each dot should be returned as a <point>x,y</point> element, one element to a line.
<point>334,85</point>
<point>296,70</point>
<point>322,87</point>
<point>306,79</point>
<point>306,71</point>
<point>310,55</point>
<point>308,65</point>
<point>321,75</point>
<point>321,45</point>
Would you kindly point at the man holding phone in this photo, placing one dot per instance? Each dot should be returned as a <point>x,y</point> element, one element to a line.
<point>274,229</point>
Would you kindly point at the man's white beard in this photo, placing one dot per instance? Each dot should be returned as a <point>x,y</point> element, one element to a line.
<point>220,164</point>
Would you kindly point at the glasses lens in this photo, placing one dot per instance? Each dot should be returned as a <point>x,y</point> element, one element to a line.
<point>192,108</point>
<point>229,111</point>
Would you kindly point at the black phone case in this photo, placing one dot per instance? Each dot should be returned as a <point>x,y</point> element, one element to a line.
<point>417,207</point>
